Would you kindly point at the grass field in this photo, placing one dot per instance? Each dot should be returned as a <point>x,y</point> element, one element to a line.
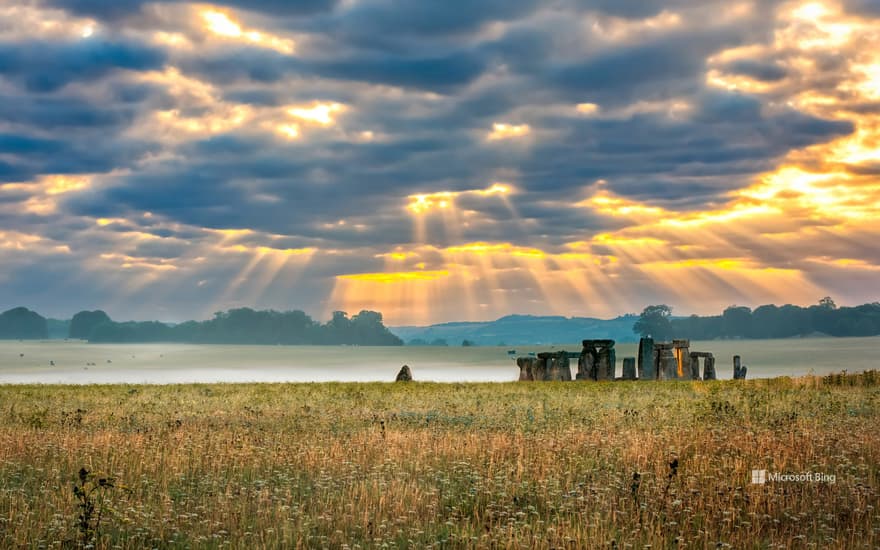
<point>531,465</point>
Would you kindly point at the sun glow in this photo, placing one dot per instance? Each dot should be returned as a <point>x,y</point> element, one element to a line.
<point>508,131</point>
<point>222,24</point>
<point>317,113</point>
<point>420,203</point>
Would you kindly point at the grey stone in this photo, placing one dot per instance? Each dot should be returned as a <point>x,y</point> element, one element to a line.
<point>405,374</point>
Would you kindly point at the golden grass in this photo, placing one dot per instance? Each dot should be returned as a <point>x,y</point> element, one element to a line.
<point>529,465</point>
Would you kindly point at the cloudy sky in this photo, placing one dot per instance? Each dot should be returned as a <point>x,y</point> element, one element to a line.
<point>437,162</point>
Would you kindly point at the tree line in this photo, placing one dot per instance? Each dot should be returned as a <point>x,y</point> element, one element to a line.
<point>235,326</point>
<point>767,321</point>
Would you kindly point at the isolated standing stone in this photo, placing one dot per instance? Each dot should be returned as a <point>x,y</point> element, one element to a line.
<point>629,368</point>
<point>739,370</point>
<point>405,375</point>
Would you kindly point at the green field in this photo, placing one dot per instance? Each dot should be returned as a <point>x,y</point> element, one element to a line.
<point>530,465</point>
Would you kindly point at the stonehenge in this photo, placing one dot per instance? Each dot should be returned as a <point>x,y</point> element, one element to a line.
<point>598,359</point>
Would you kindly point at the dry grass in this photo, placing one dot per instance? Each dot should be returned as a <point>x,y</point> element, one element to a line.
<point>531,465</point>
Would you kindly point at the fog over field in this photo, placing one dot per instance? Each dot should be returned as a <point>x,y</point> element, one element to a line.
<point>81,363</point>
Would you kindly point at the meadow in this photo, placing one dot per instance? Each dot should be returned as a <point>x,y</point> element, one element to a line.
<point>428,465</point>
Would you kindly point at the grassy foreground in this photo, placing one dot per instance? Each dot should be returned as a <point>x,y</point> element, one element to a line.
<point>531,465</point>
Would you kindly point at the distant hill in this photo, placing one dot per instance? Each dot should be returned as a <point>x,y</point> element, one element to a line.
<point>521,330</point>
<point>20,323</point>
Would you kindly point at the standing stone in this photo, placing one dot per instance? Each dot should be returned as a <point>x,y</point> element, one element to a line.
<point>405,375</point>
<point>545,360</point>
<point>586,366</point>
<point>525,369</point>
<point>680,349</point>
<point>709,368</point>
<point>629,368</point>
<point>646,359</point>
<point>612,361</point>
<point>683,369</point>
<point>695,366</point>
<point>556,366</point>
<point>563,366</point>
<point>603,365</point>
<point>668,363</point>
<point>539,368</point>
<point>739,370</point>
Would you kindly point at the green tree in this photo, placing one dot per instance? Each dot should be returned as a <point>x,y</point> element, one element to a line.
<point>654,322</point>
<point>84,322</point>
<point>736,321</point>
<point>23,324</point>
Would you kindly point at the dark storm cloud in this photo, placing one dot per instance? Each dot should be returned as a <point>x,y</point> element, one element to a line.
<point>395,26</point>
<point>864,7</point>
<point>440,73</point>
<point>443,72</point>
<point>653,158</point>
<point>650,157</point>
<point>43,66</point>
<point>119,9</point>
<point>631,9</point>
<point>19,144</point>
<point>31,156</point>
<point>667,66</point>
<point>767,72</point>
<point>57,112</point>
<point>163,248</point>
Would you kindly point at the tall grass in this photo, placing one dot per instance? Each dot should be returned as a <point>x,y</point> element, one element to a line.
<point>529,465</point>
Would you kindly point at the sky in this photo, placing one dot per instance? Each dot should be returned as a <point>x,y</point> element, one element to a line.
<point>434,162</point>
